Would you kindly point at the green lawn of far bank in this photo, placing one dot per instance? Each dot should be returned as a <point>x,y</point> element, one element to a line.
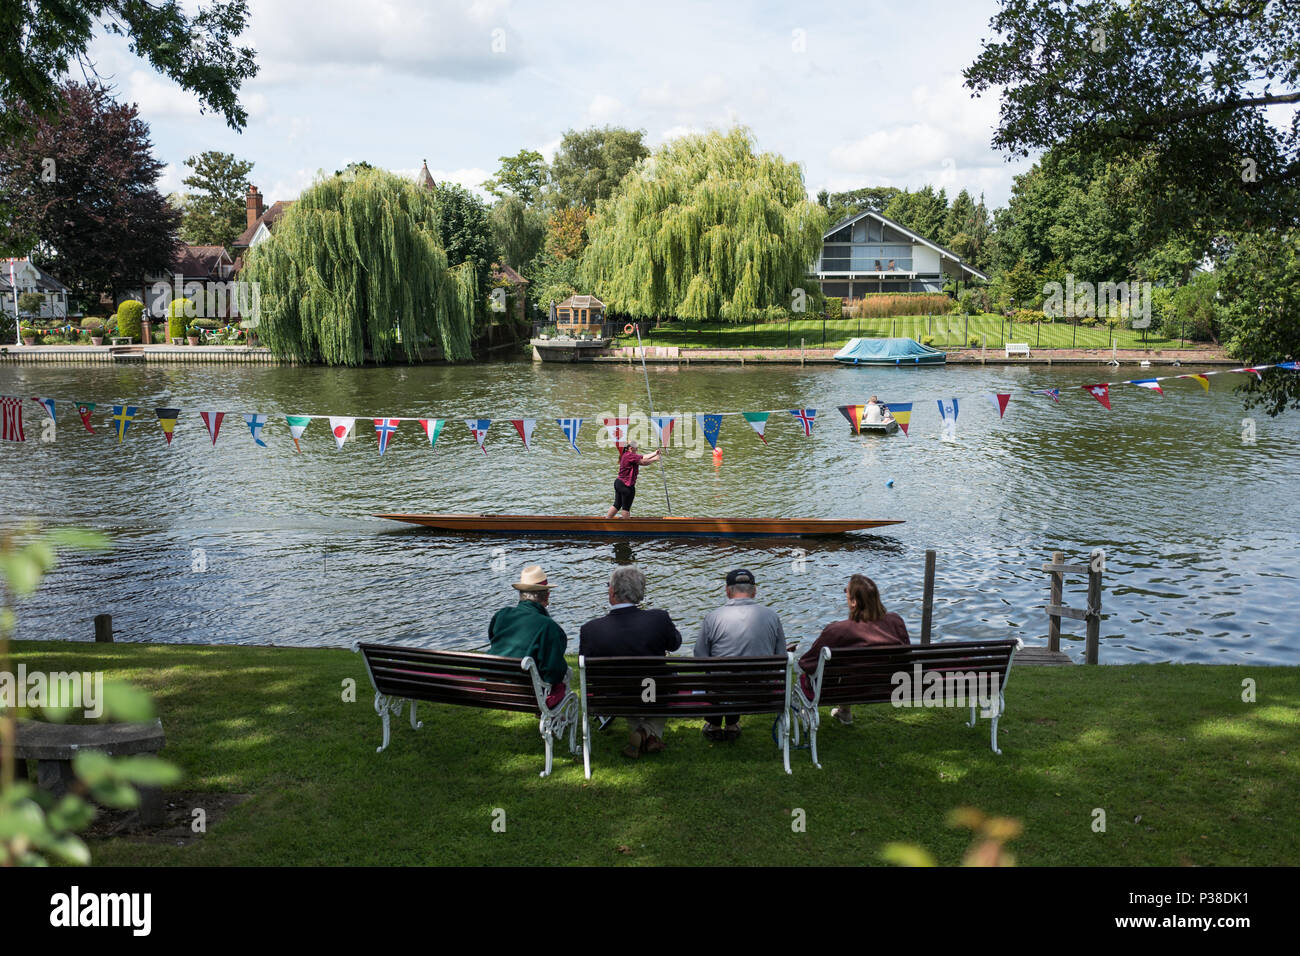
<point>1186,772</point>
<point>949,331</point>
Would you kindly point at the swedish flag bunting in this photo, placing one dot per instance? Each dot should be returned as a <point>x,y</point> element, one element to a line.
<point>123,415</point>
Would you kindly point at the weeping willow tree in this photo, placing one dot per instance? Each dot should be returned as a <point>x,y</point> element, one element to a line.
<point>356,266</point>
<point>704,229</point>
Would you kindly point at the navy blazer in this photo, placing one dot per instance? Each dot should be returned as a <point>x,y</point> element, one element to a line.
<point>629,632</point>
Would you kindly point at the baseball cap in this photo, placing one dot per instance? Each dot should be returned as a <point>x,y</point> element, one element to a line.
<point>739,576</point>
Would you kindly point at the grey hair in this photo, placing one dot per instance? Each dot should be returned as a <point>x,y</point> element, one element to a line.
<point>744,590</point>
<point>538,596</point>
<point>628,584</point>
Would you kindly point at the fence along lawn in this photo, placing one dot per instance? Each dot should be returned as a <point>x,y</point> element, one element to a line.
<point>949,331</point>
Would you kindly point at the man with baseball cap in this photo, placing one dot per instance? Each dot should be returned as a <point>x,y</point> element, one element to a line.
<point>527,630</point>
<point>740,628</point>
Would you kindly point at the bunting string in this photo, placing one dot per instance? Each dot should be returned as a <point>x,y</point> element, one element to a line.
<point>616,429</point>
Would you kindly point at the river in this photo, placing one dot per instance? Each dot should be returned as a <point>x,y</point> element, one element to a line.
<point>235,543</point>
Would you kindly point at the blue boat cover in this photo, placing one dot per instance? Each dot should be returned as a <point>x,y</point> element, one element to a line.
<point>884,349</point>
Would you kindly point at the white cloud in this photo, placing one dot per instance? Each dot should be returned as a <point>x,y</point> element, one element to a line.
<point>158,97</point>
<point>431,38</point>
<point>603,109</point>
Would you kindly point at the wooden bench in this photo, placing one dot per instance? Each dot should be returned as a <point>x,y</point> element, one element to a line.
<point>1017,348</point>
<point>885,674</point>
<point>409,674</point>
<point>680,687</point>
<point>55,746</point>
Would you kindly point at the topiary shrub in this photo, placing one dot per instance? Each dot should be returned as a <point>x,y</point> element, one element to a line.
<point>834,307</point>
<point>973,341</point>
<point>176,320</point>
<point>129,314</point>
<point>93,324</point>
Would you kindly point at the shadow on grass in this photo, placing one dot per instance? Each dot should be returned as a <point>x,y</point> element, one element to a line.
<point>1185,772</point>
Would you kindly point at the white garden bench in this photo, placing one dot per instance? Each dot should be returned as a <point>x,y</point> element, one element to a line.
<point>1017,348</point>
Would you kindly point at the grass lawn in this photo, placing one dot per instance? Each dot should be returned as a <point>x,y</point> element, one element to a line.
<point>949,331</point>
<point>1212,779</point>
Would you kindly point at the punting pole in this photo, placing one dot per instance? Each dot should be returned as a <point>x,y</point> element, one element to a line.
<point>644,371</point>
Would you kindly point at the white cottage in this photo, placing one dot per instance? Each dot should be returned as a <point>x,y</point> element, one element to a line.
<point>26,276</point>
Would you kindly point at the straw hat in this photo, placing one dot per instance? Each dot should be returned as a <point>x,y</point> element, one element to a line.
<point>532,578</point>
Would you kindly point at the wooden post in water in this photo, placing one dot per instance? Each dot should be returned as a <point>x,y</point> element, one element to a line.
<point>1058,593</point>
<point>1093,640</point>
<point>927,602</point>
<point>103,629</point>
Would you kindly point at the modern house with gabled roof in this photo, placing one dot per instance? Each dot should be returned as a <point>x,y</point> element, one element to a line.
<point>868,253</point>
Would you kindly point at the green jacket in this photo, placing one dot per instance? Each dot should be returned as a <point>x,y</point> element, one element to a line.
<point>526,630</point>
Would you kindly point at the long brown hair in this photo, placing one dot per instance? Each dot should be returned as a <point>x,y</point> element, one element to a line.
<point>866,599</point>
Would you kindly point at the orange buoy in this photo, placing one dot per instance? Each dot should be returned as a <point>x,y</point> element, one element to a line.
<point>717,458</point>
<point>629,329</point>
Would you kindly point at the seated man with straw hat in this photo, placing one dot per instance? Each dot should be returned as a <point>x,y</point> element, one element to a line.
<point>527,630</point>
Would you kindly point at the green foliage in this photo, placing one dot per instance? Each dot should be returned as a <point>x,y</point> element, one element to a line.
<point>520,232</point>
<point>703,229</point>
<point>521,175</point>
<point>357,267</point>
<point>93,324</point>
<point>1195,309</point>
<point>29,303</point>
<point>590,163</point>
<point>925,212</point>
<point>197,50</point>
<point>834,307</point>
<point>176,319</point>
<point>552,280</point>
<point>215,211</point>
<point>842,205</point>
<point>129,314</point>
<point>1260,283</point>
<point>465,230</point>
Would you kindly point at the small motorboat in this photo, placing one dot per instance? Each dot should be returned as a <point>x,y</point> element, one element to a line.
<point>887,427</point>
<point>896,352</point>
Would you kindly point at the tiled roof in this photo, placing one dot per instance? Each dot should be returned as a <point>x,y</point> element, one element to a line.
<point>510,275</point>
<point>581,302</point>
<point>268,219</point>
<point>199,260</point>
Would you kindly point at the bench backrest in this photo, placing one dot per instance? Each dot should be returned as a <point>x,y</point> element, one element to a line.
<point>865,675</point>
<point>685,686</point>
<point>450,677</point>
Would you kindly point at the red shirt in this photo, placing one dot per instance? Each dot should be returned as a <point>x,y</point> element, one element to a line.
<point>890,629</point>
<point>629,463</point>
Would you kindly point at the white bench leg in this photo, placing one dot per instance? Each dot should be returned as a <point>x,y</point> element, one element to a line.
<point>381,708</point>
<point>993,739</point>
<point>971,722</point>
<point>586,746</point>
<point>415,724</point>
<point>548,740</point>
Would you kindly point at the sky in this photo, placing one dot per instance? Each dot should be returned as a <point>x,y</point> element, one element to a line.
<point>860,94</point>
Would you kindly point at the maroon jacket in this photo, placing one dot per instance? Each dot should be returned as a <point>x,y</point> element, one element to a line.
<point>890,629</point>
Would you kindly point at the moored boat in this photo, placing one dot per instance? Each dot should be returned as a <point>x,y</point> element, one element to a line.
<point>886,352</point>
<point>648,527</point>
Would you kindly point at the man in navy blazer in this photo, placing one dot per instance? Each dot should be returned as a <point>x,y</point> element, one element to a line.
<point>631,631</point>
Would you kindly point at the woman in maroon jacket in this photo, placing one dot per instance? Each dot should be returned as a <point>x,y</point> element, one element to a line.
<point>868,623</point>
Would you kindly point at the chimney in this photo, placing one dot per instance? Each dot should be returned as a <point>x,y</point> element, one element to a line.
<point>254,204</point>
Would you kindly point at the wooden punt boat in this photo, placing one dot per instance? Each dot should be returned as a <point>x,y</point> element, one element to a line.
<point>647,527</point>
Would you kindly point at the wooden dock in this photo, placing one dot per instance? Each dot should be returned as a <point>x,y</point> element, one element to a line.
<point>109,354</point>
<point>1041,657</point>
